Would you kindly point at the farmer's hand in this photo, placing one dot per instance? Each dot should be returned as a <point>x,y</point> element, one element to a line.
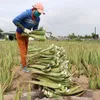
<point>27,31</point>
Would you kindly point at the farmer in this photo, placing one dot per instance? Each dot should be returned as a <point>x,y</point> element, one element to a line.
<point>25,22</point>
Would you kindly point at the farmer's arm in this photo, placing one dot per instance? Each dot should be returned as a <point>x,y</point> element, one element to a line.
<point>17,20</point>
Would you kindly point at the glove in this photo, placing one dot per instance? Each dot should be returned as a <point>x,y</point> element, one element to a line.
<point>27,31</point>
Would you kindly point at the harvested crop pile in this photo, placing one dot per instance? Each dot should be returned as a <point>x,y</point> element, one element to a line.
<point>50,70</point>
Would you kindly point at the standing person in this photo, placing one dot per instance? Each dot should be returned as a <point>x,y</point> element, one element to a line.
<point>25,22</point>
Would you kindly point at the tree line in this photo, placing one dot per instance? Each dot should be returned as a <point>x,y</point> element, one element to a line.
<point>73,36</point>
<point>92,36</point>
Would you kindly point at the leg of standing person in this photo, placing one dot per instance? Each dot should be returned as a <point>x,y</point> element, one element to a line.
<point>23,47</point>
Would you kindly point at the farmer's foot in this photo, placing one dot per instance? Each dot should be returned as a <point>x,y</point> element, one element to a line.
<point>25,69</point>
